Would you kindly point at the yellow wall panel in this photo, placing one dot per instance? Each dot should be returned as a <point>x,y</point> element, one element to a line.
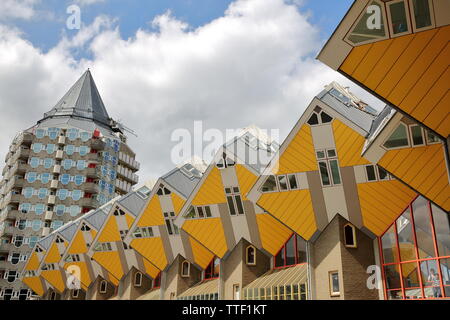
<point>152,215</point>
<point>202,256</point>
<point>129,219</point>
<point>33,262</point>
<point>209,232</point>
<point>177,202</point>
<point>54,277</point>
<point>354,59</point>
<point>369,61</point>
<point>246,180</point>
<point>293,208</point>
<point>406,59</point>
<point>113,279</point>
<point>78,244</point>
<point>110,232</point>
<point>110,261</point>
<point>53,255</point>
<point>423,168</point>
<point>211,191</point>
<point>152,249</point>
<point>273,234</point>
<point>382,202</point>
<point>150,269</point>
<point>35,284</point>
<point>349,145</point>
<point>299,156</point>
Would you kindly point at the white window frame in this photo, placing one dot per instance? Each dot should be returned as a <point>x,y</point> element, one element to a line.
<point>389,18</point>
<point>330,280</point>
<point>377,173</point>
<point>413,18</point>
<point>233,195</point>
<point>105,283</point>
<point>136,283</point>
<point>410,133</point>
<point>355,244</point>
<point>188,268</point>
<point>169,218</point>
<point>392,132</point>
<point>77,293</point>
<point>246,256</point>
<point>327,160</point>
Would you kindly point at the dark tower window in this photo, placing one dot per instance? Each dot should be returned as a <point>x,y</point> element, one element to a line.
<point>349,236</point>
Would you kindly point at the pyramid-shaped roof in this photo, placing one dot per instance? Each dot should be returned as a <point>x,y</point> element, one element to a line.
<point>83,101</point>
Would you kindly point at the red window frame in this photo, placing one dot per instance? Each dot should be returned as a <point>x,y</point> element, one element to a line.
<point>437,258</point>
<point>209,275</point>
<point>283,248</point>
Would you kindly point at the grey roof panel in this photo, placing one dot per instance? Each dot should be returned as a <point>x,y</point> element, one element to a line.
<point>387,112</point>
<point>360,118</point>
<point>182,183</point>
<point>133,203</point>
<point>82,100</point>
<point>96,219</point>
<point>45,242</point>
<point>69,231</point>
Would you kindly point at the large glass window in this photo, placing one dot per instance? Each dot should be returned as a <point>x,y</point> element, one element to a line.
<point>415,253</point>
<point>328,167</point>
<point>398,17</point>
<point>370,26</point>
<point>293,252</point>
<point>399,138</point>
<point>422,15</point>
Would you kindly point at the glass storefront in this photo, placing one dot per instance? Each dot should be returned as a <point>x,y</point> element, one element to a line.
<point>415,253</point>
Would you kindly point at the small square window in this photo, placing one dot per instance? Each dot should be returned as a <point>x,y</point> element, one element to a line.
<point>320,154</point>
<point>331,153</point>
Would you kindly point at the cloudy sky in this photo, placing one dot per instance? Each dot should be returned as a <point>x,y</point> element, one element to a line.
<point>161,65</point>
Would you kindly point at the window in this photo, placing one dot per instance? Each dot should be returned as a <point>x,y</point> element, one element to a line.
<point>334,283</point>
<point>138,279</point>
<point>422,14</point>
<point>328,167</point>
<point>212,270</point>
<point>103,286</point>
<point>234,201</point>
<point>431,138</point>
<point>370,25</point>
<point>376,173</point>
<point>185,269</point>
<point>163,191</point>
<point>236,292</point>
<point>398,17</point>
<point>415,253</point>
<point>169,217</point>
<point>157,281</point>
<point>270,184</point>
<point>103,246</point>
<point>75,293</point>
<point>291,253</point>
<point>398,139</point>
<point>319,117</point>
<point>250,255</point>
<point>225,162</point>
<point>417,136</point>
<point>349,236</point>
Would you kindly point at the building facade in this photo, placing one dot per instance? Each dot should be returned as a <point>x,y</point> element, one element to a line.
<point>75,159</point>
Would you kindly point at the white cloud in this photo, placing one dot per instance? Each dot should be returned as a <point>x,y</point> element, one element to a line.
<point>88,2</point>
<point>254,65</point>
<point>23,9</point>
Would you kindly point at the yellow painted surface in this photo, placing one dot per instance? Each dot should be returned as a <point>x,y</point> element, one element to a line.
<point>178,202</point>
<point>423,168</point>
<point>246,179</point>
<point>411,72</point>
<point>209,232</point>
<point>78,244</point>
<point>293,208</point>
<point>84,273</point>
<point>273,234</point>
<point>299,156</point>
<point>211,190</point>
<point>53,255</point>
<point>382,202</point>
<point>129,219</point>
<point>152,249</point>
<point>152,215</point>
<point>113,279</point>
<point>110,261</point>
<point>349,145</point>
<point>35,284</point>
<point>151,270</point>
<point>110,232</point>
<point>33,263</point>
<point>54,277</point>
<point>202,256</point>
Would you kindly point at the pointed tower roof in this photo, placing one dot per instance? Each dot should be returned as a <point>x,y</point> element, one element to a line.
<point>82,101</point>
